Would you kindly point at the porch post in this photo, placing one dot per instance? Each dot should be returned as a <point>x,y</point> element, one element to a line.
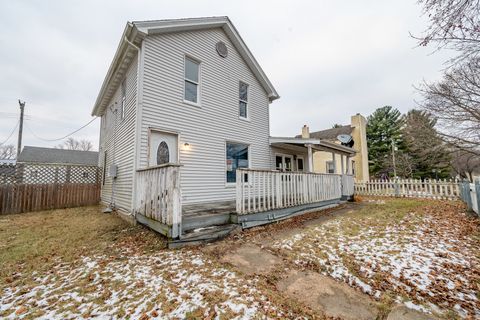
<point>342,164</point>
<point>310,158</point>
<point>348,165</point>
<point>334,160</point>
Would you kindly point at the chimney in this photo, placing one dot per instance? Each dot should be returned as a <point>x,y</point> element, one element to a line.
<point>305,132</point>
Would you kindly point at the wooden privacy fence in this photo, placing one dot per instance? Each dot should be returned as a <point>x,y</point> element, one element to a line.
<point>263,190</point>
<point>18,198</point>
<point>158,196</point>
<point>435,189</point>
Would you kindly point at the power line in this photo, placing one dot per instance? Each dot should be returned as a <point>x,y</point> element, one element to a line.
<point>11,134</point>
<point>66,136</point>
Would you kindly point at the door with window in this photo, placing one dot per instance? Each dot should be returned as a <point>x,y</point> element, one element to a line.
<point>283,162</point>
<point>163,148</point>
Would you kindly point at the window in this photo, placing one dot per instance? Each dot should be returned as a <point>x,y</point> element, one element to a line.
<point>163,154</point>
<point>243,99</point>
<point>283,162</point>
<point>299,164</point>
<point>124,99</point>
<point>236,157</point>
<point>191,80</point>
<point>330,167</point>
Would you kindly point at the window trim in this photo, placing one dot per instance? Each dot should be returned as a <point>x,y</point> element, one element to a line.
<point>303,161</point>
<point>199,83</point>
<point>233,184</point>
<point>247,118</point>
<point>284,155</point>
<point>326,167</point>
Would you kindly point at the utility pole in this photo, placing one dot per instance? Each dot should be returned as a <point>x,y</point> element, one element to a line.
<point>393,160</point>
<point>20,127</point>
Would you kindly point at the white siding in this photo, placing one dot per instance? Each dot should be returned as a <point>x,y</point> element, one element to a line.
<point>208,127</point>
<point>117,137</point>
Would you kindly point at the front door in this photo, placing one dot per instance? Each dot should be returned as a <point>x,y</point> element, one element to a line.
<point>163,148</point>
<point>283,162</point>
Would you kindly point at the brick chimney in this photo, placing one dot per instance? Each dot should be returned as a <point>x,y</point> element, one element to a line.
<point>305,132</point>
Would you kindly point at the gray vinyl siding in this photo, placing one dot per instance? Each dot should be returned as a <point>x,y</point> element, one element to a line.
<point>118,139</point>
<point>205,128</point>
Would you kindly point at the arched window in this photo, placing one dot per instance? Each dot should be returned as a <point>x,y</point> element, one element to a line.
<point>163,155</point>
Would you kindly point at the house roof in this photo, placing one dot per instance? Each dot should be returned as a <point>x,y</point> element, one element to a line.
<point>136,31</point>
<point>316,143</point>
<point>57,156</point>
<point>330,134</point>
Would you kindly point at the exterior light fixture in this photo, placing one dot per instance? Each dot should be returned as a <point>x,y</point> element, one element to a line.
<point>186,146</point>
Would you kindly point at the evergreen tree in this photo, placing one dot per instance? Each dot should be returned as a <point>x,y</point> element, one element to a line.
<point>428,152</point>
<point>384,130</point>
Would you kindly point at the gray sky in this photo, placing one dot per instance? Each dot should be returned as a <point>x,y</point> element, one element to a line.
<point>327,59</point>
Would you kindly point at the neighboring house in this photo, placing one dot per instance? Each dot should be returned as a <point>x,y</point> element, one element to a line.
<point>183,106</point>
<point>327,162</point>
<point>50,165</point>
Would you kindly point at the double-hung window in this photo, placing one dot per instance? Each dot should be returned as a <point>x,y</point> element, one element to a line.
<point>236,157</point>
<point>243,100</point>
<point>330,167</point>
<point>192,80</point>
<point>124,99</point>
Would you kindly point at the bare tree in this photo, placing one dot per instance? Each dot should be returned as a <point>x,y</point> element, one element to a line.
<point>8,152</point>
<point>453,24</point>
<point>455,103</point>
<point>73,144</point>
<point>465,164</point>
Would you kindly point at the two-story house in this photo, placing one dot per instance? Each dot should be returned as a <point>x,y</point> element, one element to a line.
<point>183,106</point>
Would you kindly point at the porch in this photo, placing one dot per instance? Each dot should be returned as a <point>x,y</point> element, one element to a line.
<point>262,196</point>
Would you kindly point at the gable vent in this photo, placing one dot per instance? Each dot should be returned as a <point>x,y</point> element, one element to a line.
<point>222,49</point>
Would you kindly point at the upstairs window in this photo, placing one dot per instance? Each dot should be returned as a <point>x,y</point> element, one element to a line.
<point>124,99</point>
<point>243,100</point>
<point>192,69</point>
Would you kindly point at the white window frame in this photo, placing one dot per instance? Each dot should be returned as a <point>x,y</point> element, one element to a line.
<point>283,155</point>
<point>123,92</point>
<point>199,83</point>
<point>247,118</point>
<point>233,184</point>
<point>326,166</point>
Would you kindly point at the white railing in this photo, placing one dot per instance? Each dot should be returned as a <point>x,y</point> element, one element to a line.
<point>159,197</point>
<point>436,189</point>
<point>347,185</point>
<point>263,190</point>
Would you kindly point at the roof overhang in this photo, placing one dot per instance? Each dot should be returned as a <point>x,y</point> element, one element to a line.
<point>136,31</point>
<point>316,144</point>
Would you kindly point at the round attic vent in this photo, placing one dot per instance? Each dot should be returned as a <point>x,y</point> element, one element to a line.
<point>222,49</point>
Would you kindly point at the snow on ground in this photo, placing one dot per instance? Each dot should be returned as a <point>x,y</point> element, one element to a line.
<point>422,259</point>
<point>168,284</point>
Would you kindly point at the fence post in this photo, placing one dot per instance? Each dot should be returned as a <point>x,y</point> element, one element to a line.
<point>467,196</point>
<point>476,189</point>
<point>397,188</point>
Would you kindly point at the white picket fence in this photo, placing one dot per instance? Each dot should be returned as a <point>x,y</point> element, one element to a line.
<point>435,189</point>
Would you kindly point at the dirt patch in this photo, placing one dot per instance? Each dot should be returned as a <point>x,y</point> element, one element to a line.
<point>404,313</point>
<point>251,259</point>
<point>331,298</point>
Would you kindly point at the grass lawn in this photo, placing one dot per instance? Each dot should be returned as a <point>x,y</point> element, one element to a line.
<point>74,263</point>
<point>422,253</point>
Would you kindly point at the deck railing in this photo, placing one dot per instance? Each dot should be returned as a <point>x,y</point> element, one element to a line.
<point>347,185</point>
<point>436,189</point>
<point>264,190</point>
<point>159,197</point>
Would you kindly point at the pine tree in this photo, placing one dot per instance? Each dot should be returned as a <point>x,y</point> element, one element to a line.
<point>384,130</point>
<point>429,153</point>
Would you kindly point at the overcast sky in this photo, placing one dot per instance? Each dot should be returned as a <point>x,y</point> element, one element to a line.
<point>327,59</point>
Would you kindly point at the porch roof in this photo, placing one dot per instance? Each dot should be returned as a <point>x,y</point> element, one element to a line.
<point>316,144</point>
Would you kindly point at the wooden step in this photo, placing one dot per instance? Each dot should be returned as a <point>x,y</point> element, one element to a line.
<point>203,235</point>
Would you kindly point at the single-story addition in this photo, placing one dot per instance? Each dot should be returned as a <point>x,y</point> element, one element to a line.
<point>185,141</point>
<point>37,165</point>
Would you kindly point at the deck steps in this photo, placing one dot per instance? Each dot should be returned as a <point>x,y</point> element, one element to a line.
<point>203,235</point>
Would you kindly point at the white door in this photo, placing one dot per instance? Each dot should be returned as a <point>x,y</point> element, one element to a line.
<point>163,148</point>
